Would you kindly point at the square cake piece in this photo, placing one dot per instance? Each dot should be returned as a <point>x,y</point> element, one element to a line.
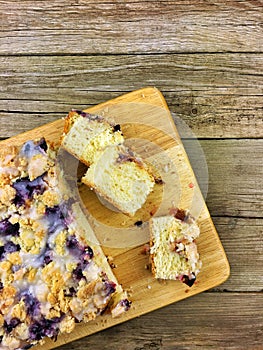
<point>51,274</point>
<point>173,247</point>
<point>122,178</point>
<point>87,135</point>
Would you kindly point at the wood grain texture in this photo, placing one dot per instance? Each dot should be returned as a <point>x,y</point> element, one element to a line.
<point>243,242</point>
<point>111,27</point>
<point>234,170</point>
<point>235,177</point>
<point>215,94</point>
<point>206,321</point>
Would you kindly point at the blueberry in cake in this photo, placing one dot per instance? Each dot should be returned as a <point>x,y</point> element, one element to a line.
<point>51,275</point>
<point>173,249</point>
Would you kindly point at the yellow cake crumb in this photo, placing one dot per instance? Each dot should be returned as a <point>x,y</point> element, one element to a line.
<point>18,275</point>
<point>75,305</point>
<point>15,258</point>
<point>63,302</point>
<point>51,298</point>
<point>86,290</point>
<point>14,219</point>
<point>22,331</point>
<point>8,292</point>
<point>50,198</point>
<point>71,266</point>
<point>89,316</point>
<point>60,243</point>
<point>1,320</point>
<point>7,194</point>
<point>5,265</point>
<point>19,311</point>
<point>10,342</point>
<point>31,275</point>
<point>41,208</point>
<point>53,313</point>
<point>67,325</point>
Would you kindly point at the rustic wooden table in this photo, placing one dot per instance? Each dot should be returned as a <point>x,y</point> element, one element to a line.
<point>207,58</point>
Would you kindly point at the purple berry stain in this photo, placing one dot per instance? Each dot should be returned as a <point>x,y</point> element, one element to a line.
<point>8,327</point>
<point>32,305</point>
<point>6,228</point>
<point>70,292</point>
<point>30,148</point>
<point>11,247</point>
<point>126,304</point>
<point>56,217</point>
<point>117,127</point>
<point>47,258</point>
<point>85,253</point>
<point>26,189</point>
<point>8,248</point>
<point>77,273</point>
<point>110,287</point>
<point>189,282</point>
<point>42,144</point>
<point>45,328</point>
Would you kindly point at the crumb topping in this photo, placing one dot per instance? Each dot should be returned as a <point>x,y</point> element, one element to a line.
<point>48,277</point>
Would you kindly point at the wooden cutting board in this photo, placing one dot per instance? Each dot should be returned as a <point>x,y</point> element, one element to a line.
<point>148,127</point>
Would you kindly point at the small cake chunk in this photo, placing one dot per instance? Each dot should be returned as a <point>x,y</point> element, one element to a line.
<point>173,251</point>
<point>87,135</point>
<point>122,178</point>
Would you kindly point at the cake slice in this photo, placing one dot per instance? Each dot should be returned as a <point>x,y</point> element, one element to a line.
<point>53,273</point>
<point>173,248</point>
<point>121,177</point>
<point>86,135</point>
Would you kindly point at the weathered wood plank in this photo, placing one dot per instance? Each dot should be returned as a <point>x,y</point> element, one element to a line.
<point>235,176</point>
<point>207,321</point>
<point>218,95</point>
<point>243,242</point>
<point>130,26</point>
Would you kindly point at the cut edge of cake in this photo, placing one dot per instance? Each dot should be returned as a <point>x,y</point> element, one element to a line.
<point>122,178</point>
<point>119,301</point>
<point>86,135</point>
<point>173,248</point>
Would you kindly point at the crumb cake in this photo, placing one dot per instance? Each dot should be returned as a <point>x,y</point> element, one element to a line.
<point>116,173</point>
<point>87,135</point>
<point>121,177</point>
<point>173,248</point>
<point>51,276</point>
